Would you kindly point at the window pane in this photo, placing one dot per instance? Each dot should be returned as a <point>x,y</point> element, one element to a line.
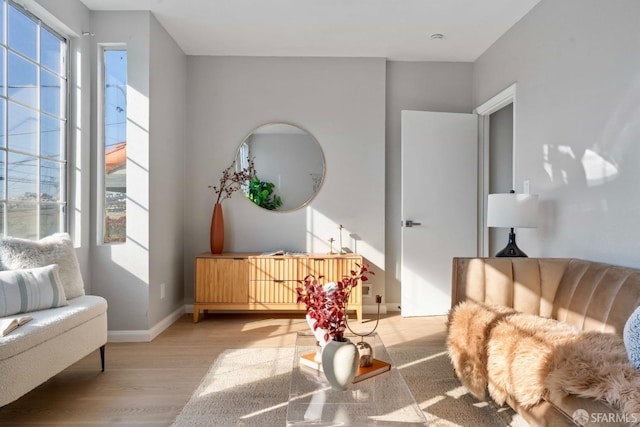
<point>23,33</point>
<point>115,139</point>
<point>23,80</point>
<point>23,128</point>
<point>50,216</point>
<point>51,93</point>
<point>2,209</point>
<point>51,137</point>
<point>115,97</point>
<point>3,123</point>
<point>2,177</point>
<point>33,104</point>
<point>22,175</point>
<point>51,51</point>
<point>50,180</point>
<point>2,9</point>
<point>115,227</point>
<point>22,220</point>
<point>3,53</point>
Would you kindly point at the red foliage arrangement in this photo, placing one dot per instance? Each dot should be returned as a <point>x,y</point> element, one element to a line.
<point>232,180</point>
<point>327,305</point>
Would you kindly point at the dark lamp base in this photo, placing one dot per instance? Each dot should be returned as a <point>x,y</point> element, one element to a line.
<point>511,250</point>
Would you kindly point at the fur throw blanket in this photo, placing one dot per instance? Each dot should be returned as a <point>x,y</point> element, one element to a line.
<point>529,357</point>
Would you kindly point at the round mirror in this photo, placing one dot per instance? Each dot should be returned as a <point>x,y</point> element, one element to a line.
<point>289,166</point>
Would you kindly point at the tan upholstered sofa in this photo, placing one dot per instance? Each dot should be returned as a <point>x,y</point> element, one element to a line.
<point>590,296</point>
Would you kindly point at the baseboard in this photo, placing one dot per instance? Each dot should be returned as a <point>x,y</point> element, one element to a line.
<point>146,335</point>
<point>373,308</point>
<point>393,307</point>
<point>367,308</point>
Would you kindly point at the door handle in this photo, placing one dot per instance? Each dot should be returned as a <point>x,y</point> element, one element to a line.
<point>410,223</point>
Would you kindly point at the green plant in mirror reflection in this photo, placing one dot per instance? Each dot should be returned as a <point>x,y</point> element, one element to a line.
<point>261,193</point>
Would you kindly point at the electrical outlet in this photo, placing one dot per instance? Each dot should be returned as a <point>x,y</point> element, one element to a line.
<point>366,290</point>
<point>162,290</point>
<point>526,186</point>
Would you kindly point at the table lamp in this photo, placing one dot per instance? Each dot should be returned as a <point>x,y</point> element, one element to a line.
<point>511,210</point>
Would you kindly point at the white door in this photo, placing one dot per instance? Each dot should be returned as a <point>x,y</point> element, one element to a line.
<point>439,205</point>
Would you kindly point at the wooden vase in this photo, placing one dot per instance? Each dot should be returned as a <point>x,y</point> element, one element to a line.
<point>216,237</point>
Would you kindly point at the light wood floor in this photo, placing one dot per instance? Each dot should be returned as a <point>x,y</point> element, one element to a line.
<point>149,383</point>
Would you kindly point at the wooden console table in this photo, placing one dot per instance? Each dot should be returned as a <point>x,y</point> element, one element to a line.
<point>251,281</point>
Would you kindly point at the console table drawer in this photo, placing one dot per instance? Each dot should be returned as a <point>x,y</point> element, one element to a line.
<point>273,291</point>
<point>332,269</point>
<point>221,281</point>
<point>273,268</point>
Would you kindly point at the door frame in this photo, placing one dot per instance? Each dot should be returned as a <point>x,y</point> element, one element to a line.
<point>502,99</point>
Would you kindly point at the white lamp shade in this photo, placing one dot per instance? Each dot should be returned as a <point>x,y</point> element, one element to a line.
<point>512,210</point>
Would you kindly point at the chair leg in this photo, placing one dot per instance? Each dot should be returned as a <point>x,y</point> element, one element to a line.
<point>102,357</point>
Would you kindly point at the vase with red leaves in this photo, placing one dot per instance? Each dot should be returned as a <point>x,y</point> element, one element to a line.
<point>326,306</point>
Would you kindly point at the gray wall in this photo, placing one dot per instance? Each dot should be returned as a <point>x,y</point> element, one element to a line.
<point>341,102</point>
<point>577,124</point>
<point>120,272</point>
<point>128,275</point>
<point>167,84</point>
<point>425,86</point>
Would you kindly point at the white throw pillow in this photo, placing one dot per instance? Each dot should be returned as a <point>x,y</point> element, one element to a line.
<point>16,253</point>
<point>30,290</point>
<point>631,335</point>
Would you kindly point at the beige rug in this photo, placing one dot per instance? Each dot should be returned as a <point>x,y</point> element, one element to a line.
<point>250,387</point>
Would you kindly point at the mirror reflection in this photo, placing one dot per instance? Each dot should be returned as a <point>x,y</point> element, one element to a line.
<point>289,166</point>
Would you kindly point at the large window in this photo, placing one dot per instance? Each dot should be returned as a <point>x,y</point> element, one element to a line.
<point>33,116</point>
<point>115,145</point>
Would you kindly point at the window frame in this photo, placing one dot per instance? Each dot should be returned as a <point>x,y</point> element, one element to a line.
<point>102,142</point>
<point>64,115</point>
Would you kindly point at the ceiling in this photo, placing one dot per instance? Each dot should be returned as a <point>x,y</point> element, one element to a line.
<point>393,29</point>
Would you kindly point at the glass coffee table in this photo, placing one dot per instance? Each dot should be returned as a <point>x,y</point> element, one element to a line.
<point>383,400</point>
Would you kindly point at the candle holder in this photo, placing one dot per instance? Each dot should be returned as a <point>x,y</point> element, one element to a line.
<point>340,251</point>
<point>331,240</point>
<point>364,349</point>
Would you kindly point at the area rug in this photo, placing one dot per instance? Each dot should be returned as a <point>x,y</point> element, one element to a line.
<point>250,387</point>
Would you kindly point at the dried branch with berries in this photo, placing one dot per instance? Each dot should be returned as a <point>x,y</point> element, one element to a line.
<point>232,180</point>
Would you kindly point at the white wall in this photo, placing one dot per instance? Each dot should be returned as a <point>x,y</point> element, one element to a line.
<point>339,101</point>
<point>577,124</point>
<point>130,275</point>
<point>120,272</point>
<point>425,86</point>
<point>167,86</point>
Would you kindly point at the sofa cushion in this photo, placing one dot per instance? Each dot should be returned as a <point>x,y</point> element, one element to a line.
<point>48,324</point>
<point>631,335</point>
<point>30,290</point>
<point>16,253</point>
